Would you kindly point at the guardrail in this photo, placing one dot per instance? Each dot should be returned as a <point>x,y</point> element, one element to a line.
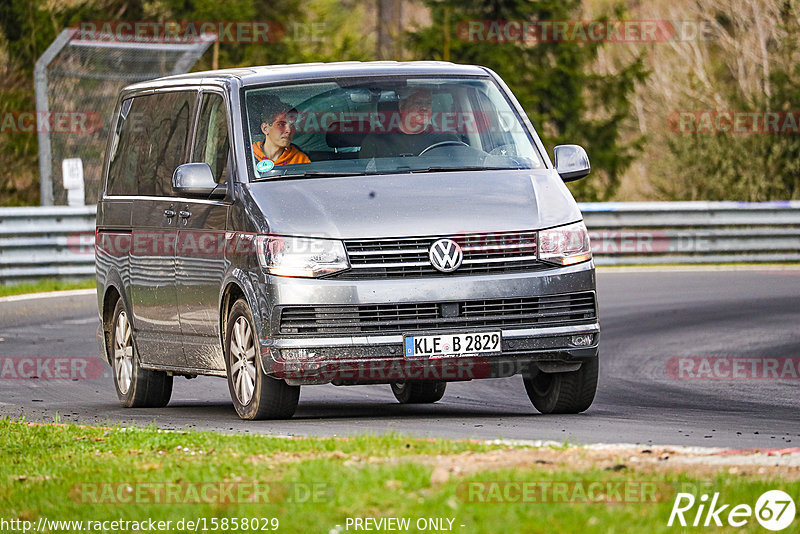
<point>40,242</point>
<point>56,241</point>
<point>640,233</point>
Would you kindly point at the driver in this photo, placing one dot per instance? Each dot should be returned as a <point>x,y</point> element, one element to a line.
<point>414,134</point>
<point>277,125</point>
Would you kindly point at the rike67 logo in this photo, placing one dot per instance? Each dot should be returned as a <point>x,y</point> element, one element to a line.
<point>774,510</point>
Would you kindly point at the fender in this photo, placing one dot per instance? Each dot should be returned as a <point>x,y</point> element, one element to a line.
<point>256,300</point>
<point>113,281</point>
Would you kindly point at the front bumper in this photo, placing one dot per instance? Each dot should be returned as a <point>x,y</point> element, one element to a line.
<point>380,359</point>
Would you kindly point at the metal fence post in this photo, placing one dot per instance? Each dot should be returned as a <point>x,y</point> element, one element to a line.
<point>80,75</point>
<point>42,114</point>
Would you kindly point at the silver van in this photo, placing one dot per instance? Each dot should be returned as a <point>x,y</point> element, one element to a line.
<point>345,223</point>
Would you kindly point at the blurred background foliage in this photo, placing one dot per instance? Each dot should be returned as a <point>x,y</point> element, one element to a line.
<point>567,100</point>
<point>614,98</point>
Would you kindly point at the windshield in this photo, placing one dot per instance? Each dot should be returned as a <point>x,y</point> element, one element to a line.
<point>384,126</point>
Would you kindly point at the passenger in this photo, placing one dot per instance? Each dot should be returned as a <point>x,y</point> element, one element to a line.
<point>278,125</point>
<point>415,133</point>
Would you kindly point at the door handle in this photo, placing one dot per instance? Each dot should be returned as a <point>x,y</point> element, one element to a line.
<point>169,213</point>
<point>185,214</point>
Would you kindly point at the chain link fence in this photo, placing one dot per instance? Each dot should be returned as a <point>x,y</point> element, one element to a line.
<point>77,81</point>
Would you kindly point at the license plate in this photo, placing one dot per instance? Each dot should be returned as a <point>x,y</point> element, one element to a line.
<point>452,344</point>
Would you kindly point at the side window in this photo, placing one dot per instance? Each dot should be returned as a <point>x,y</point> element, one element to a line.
<point>149,143</point>
<point>169,125</point>
<point>120,180</point>
<point>494,128</point>
<point>211,143</point>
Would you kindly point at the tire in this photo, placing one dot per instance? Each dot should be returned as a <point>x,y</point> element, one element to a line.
<point>563,393</point>
<point>255,395</point>
<point>136,387</point>
<point>418,392</point>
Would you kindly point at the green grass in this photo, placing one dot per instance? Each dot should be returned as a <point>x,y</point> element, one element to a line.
<point>48,284</point>
<point>75,473</point>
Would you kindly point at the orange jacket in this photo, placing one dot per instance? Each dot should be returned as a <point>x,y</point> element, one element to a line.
<point>289,156</point>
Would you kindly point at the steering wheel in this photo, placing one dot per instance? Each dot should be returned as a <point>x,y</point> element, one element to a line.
<point>444,143</point>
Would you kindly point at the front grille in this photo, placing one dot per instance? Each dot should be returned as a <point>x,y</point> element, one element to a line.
<point>408,257</point>
<point>555,310</point>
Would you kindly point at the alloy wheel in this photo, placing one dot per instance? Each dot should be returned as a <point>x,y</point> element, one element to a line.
<point>243,361</point>
<point>123,353</point>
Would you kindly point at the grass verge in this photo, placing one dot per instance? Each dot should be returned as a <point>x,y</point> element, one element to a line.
<point>313,485</point>
<point>48,284</point>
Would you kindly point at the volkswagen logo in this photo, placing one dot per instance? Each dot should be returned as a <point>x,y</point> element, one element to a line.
<point>445,255</point>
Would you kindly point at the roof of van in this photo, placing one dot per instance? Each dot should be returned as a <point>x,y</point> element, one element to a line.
<point>310,71</point>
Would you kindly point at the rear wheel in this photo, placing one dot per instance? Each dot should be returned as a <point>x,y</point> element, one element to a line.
<point>255,395</point>
<point>418,392</point>
<point>136,387</point>
<point>571,392</point>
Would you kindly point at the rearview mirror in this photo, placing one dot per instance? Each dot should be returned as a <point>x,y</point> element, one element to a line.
<point>571,162</point>
<point>197,180</point>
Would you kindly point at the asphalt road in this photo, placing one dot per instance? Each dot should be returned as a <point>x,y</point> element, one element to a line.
<point>647,318</point>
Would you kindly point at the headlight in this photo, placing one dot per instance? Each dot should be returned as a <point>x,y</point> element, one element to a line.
<point>296,256</point>
<point>565,245</point>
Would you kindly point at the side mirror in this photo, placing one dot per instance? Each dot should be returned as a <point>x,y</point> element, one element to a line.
<point>197,180</point>
<point>571,161</point>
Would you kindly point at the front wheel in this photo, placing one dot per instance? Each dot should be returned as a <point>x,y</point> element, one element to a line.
<point>136,387</point>
<point>418,392</point>
<point>255,395</point>
<point>571,392</point>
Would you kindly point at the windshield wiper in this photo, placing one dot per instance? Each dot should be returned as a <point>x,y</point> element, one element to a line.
<point>326,174</point>
<point>311,174</point>
<point>467,168</point>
